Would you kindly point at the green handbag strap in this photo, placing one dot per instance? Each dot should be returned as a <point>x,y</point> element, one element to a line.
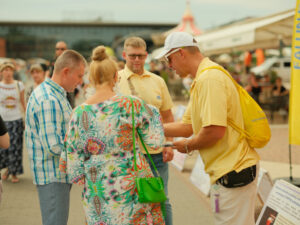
<point>133,141</point>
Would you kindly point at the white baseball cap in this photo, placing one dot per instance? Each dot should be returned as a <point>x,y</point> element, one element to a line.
<point>177,40</point>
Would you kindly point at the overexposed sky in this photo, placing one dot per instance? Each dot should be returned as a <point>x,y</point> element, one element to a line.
<point>207,13</point>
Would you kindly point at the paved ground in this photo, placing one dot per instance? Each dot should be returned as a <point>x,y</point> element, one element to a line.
<point>277,150</point>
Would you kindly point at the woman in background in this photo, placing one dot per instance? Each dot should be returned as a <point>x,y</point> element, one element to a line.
<point>254,88</point>
<point>11,98</point>
<point>99,150</point>
<point>38,74</point>
<point>279,89</point>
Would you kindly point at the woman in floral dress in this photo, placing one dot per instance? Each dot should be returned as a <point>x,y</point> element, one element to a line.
<point>99,150</point>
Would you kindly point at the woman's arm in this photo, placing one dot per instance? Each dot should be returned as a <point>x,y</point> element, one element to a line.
<point>22,100</point>
<point>72,156</point>
<point>4,136</point>
<point>4,141</point>
<point>167,117</point>
<point>150,126</point>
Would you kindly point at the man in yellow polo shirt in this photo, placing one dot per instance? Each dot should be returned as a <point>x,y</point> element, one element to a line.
<point>135,80</point>
<point>229,160</point>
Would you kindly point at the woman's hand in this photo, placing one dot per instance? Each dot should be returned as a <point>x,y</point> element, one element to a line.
<point>168,154</point>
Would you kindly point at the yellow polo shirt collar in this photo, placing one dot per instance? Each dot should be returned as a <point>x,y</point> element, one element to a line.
<point>201,66</point>
<point>128,73</point>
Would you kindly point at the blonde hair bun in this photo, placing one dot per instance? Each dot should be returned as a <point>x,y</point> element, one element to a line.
<point>99,53</point>
<point>102,68</point>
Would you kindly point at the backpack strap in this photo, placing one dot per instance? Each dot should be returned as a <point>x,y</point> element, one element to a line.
<point>224,71</point>
<point>243,133</point>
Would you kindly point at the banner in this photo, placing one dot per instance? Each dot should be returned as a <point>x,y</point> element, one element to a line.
<point>294,108</point>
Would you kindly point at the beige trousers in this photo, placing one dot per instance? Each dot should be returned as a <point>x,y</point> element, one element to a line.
<point>234,206</point>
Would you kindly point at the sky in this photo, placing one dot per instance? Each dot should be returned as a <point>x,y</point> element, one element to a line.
<point>207,13</point>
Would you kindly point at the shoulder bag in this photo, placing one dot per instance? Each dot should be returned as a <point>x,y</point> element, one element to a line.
<point>149,189</point>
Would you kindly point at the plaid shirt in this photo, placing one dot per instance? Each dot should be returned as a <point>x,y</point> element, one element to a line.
<point>47,117</point>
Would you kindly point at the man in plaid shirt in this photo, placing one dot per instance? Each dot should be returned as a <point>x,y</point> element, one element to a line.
<point>47,117</point>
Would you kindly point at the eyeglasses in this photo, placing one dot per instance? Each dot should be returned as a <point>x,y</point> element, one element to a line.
<point>170,53</point>
<point>62,49</point>
<point>140,56</point>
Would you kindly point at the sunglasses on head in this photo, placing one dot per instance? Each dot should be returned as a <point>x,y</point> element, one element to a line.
<point>171,52</point>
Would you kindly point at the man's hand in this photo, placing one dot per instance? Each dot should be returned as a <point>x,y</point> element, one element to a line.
<point>207,137</point>
<point>168,154</point>
<point>179,145</point>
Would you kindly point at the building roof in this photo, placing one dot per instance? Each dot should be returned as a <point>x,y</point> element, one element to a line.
<point>85,24</point>
<point>186,24</point>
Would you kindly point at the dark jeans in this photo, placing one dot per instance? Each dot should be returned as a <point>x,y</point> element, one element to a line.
<point>163,169</point>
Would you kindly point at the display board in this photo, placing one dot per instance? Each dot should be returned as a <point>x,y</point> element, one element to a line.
<point>282,206</point>
<point>264,185</point>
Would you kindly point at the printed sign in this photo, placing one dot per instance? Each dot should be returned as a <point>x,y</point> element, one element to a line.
<point>199,178</point>
<point>178,160</point>
<point>282,206</point>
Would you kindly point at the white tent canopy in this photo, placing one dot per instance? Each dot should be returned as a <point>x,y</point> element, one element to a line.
<point>265,32</point>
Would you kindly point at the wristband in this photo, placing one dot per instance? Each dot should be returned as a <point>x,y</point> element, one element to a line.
<point>187,148</point>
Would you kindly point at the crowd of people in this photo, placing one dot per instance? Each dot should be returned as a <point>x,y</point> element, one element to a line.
<point>270,94</point>
<point>91,145</point>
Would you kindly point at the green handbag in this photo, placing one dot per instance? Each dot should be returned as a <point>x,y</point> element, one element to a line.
<point>149,189</point>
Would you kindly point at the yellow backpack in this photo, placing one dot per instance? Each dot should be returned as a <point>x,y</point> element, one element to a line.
<point>256,127</point>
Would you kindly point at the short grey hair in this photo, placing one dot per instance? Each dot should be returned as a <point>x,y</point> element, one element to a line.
<point>70,59</point>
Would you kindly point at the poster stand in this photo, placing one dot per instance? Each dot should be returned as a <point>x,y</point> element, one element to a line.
<point>282,206</point>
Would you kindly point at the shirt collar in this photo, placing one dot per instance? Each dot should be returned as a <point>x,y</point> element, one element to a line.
<point>129,73</point>
<point>201,66</point>
<point>56,86</point>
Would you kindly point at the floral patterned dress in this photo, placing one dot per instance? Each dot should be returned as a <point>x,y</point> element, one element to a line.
<point>99,154</point>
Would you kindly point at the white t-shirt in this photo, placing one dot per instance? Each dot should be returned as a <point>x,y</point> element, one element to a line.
<point>10,101</point>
